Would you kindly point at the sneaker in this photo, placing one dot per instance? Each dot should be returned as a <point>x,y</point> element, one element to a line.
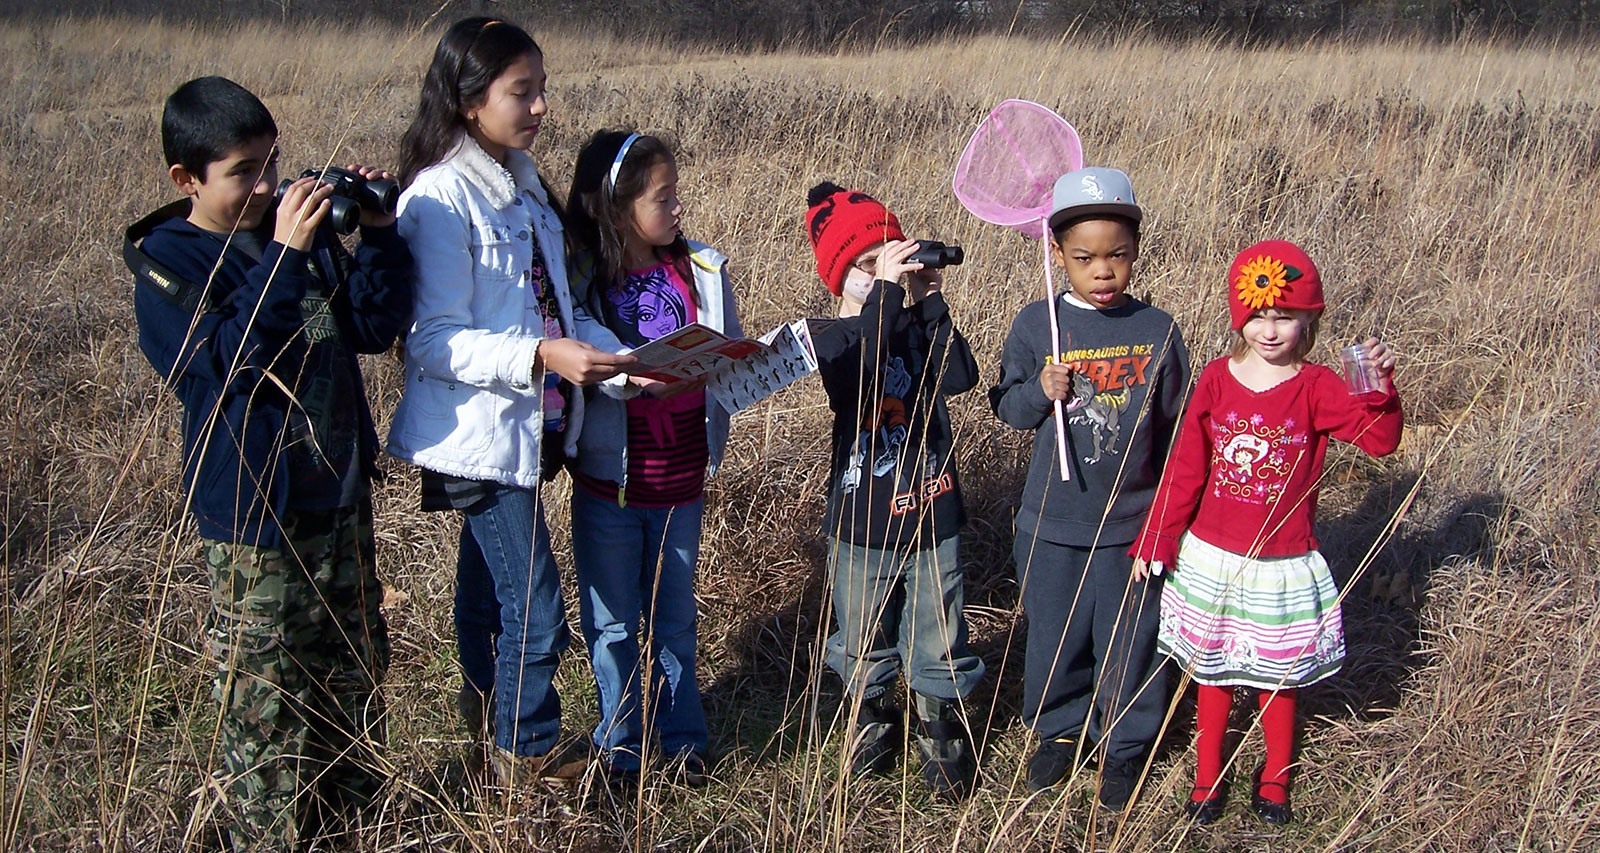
<point>876,741</point>
<point>1118,779</point>
<point>1052,761</point>
<point>949,767</point>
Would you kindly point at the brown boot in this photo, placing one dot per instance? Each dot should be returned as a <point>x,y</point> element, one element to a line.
<point>564,765</point>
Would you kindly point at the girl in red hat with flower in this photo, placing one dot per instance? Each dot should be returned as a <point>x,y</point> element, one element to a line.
<point>1248,600</point>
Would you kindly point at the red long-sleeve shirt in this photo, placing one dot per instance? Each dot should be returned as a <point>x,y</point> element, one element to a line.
<point>1245,466</point>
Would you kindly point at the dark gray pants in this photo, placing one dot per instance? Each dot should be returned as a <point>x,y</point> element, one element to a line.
<point>1090,664</point>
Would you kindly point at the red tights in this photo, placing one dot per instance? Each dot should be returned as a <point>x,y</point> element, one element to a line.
<point>1277,726</point>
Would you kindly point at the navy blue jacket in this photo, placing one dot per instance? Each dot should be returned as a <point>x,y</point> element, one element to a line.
<point>233,368</point>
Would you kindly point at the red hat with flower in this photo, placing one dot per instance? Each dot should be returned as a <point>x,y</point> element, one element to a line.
<point>1272,274</point>
<point>843,224</point>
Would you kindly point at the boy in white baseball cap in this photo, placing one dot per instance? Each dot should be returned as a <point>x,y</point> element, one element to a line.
<point>1120,369</point>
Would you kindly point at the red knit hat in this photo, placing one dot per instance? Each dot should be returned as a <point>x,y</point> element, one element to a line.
<point>842,225</point>
<point>1272,274</point>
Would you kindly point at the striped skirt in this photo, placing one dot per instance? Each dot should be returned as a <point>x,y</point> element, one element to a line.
<point>1268,622</point>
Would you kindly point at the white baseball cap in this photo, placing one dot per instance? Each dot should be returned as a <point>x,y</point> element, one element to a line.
<point>1093,189</point>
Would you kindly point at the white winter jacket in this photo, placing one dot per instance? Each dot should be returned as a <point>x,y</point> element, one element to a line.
<point>472,404</point>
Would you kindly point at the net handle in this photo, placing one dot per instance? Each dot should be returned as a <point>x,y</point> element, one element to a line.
<point>1055,346</point>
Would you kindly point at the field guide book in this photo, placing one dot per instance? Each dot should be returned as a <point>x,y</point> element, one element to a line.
<point>738,371</point>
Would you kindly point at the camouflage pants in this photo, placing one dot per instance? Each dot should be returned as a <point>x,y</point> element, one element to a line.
<point>300,647</point>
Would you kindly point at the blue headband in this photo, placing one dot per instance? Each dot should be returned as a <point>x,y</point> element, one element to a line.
<point>616,165</point>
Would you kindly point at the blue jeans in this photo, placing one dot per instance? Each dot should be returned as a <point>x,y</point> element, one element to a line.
<point>505,563</point>
<point>477,613</point>
<point>636,564</point>
<point>901,608</point>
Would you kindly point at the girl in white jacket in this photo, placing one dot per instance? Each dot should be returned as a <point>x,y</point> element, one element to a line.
<point>491,359</point>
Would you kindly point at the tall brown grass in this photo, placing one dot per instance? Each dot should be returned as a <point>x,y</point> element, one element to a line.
<point>1447,192</point>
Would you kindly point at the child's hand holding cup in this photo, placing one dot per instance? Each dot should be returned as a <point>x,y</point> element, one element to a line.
<point>1367,366</point>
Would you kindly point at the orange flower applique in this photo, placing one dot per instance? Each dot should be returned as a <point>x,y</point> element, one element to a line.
<point>1261,282</point>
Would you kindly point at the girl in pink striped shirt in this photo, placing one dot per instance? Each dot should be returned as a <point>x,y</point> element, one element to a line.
<point>645,451</point>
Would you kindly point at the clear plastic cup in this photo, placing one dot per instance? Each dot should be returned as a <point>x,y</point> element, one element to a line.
<point>1360,371</point>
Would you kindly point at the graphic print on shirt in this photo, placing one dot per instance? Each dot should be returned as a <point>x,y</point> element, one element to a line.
<point>891,423</point>
<point>1103,379</point>
<point>323,434</point>
<point>539,276</point>
<point>888,423</point>
<point>644,306</point>
<point>1251,459</point>
<point>1102,413</point>
<point>889,428</point>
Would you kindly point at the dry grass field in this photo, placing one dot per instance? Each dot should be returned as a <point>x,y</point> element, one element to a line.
<point>1447,192</point>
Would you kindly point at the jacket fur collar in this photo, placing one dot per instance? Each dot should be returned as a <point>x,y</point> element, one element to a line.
<point>499,184</point>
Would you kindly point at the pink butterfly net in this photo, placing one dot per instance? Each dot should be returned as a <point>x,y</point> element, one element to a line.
<point>1007,175</point>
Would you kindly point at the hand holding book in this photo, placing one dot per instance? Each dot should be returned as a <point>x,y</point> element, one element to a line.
<point>735,371</point>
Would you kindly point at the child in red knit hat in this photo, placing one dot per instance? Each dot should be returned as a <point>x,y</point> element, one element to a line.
<point>894,505</point>
<point>1248,600</point>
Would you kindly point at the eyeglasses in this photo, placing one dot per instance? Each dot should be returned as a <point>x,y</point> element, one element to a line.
<point>868,265</point>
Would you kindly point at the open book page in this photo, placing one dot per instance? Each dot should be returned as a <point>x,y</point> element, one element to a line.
<point>788,354</point>
<point>694,350</point>
<point>738,371</point>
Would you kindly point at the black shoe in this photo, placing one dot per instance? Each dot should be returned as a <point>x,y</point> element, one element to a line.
<point>1052,761</point>
<point>1118,779</point>
<point>1210,809</point>
<point>615,786</point>
<point>877,739</point>
<point>949,768</point>
<point>1277,814</point>
<point>623,781</point>
<point>477,714</point>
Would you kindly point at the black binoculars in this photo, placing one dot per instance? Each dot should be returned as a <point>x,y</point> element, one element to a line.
<point>351,194</point>
<point>933,255</point>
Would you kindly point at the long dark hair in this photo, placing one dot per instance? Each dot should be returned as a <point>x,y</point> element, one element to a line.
<point>598,213</point>
<point>470,55</point>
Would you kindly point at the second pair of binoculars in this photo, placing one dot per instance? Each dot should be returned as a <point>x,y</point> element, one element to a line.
<point>934,255</point>
<point>352,193</point>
